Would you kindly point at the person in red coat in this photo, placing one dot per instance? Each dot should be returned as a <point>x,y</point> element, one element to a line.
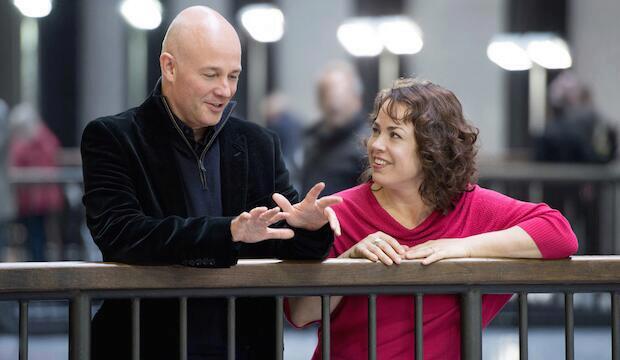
<point>34,145</point>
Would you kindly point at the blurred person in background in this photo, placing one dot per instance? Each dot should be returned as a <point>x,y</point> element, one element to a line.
<point>7,204</point>
<point>283,122</point>
<point>576,133</point>
<point>420,201</point>
<point>333,151</point>
<point>34,145</point>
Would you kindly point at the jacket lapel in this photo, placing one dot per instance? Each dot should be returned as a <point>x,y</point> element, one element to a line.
<point>158,132</point>
<point>234,170</point>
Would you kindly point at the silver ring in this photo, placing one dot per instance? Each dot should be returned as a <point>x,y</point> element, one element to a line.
<point>377,240</point>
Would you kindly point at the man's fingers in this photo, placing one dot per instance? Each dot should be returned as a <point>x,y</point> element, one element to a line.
<point>282,202</point>
<point>313,194</point>
<point>258,211</point>
<point>334,224</point>
<point>267,215</point>
<point>279,233</point>
<point>326,201</point>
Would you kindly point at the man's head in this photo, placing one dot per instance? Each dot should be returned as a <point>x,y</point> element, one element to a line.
<point>339,92</point>
<point>200,65</point>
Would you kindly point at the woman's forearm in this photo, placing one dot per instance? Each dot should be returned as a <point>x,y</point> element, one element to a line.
<point>510,243</point>
<point>304,310</point>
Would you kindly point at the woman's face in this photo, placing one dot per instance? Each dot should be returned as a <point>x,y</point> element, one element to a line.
<point>392,152</point>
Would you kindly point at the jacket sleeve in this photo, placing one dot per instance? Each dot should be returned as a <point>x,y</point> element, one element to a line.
<point>122,230</point>
<point>308,245</point>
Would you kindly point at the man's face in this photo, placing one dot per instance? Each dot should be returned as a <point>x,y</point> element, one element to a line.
<point>205,81</point>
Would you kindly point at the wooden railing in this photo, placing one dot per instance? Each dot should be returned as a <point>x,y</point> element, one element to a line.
<point>80,282</point>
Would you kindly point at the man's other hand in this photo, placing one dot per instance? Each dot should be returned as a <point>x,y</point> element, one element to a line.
<point>253,226</point>
<point>311,213</point>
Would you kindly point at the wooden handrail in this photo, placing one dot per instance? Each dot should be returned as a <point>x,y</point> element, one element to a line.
<point>84,276</point>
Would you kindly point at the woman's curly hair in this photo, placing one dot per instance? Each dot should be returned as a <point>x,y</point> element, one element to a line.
<point>445,140</point>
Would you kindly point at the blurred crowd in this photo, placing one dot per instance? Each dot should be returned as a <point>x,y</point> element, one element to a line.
<point>26,142</point>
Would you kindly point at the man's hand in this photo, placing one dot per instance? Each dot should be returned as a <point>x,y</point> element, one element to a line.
<point>311,213</point>
<point>253,226</point>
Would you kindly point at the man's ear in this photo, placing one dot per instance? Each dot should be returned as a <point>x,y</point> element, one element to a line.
<point>167,64</point>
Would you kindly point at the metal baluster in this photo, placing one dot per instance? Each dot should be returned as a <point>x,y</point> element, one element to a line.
<point>419,326</point>
<point>135,329</point>
<point>232,347</point>
<point>279,328</point>
<point>471,325</point>
<point>183,328</point>
<point>79,327</point>
<point>326,326</point>
<point>23,330</point>
<point>615,325</point>
<point>372,327</point>
<point>570,326</point>
<point>523,326</point>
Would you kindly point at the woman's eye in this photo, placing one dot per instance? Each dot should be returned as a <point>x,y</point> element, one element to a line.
<point>395,136</point>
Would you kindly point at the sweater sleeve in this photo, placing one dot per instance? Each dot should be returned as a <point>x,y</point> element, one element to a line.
<point>548,227</point>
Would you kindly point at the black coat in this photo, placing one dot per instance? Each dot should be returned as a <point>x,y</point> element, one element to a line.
<point>136,212</point>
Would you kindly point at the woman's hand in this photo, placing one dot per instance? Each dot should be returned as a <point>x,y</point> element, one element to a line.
<point>434,250</point>
<point>377,247</point>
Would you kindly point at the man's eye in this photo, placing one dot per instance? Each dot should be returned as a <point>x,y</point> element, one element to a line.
<point>210,75</point>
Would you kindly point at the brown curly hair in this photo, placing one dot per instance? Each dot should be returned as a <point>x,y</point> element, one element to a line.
<point>446,141</point>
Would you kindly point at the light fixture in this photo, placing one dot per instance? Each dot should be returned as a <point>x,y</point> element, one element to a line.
<point>264,22</point>
<point>34,8</point>
<point>368,36</point>
<point>359,37</point>
<point>400,35</point>
<point>142,14</point>
<point>519,51</point>
<point>549,51</point>
<point>507,53</point>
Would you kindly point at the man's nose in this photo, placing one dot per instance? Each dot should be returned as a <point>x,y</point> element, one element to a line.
<point>224,89</point>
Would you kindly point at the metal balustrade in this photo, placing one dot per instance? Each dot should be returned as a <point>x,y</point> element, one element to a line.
<point>470,278</point>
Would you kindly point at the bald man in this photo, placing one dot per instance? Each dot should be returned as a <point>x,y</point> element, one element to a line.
<point>179,180</point>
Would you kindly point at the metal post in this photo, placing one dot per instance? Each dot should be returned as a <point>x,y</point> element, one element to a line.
<point>183,328</point>
<point>615,326</point>
<point>537,98</point>
<point>471,325</point>
<point>326,326</point>
<point>23,330</point>
<point>388,69</point>
<point>523,326</point>
<point>570,326</point>
<point>135,329</point>
<point>372,327</point>
<point>419,326</point>
<point>232,347</point>
<point>79,327</point>
<point>279,328</point>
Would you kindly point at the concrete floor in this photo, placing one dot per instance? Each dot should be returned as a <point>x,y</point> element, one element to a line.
<point>498,344</point>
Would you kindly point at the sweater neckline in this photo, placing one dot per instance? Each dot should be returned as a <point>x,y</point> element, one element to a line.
<point>376,206</point>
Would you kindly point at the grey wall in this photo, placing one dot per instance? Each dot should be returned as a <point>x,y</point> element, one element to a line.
<point>456,35</point>
<point>308,44</point>
<point>595,32</point>
<point>102,61</point>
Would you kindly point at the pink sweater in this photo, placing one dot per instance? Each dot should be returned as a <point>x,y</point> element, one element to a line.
<point>478,211</point>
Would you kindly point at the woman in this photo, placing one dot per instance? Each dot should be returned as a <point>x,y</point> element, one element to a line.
<point>420,202</point>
